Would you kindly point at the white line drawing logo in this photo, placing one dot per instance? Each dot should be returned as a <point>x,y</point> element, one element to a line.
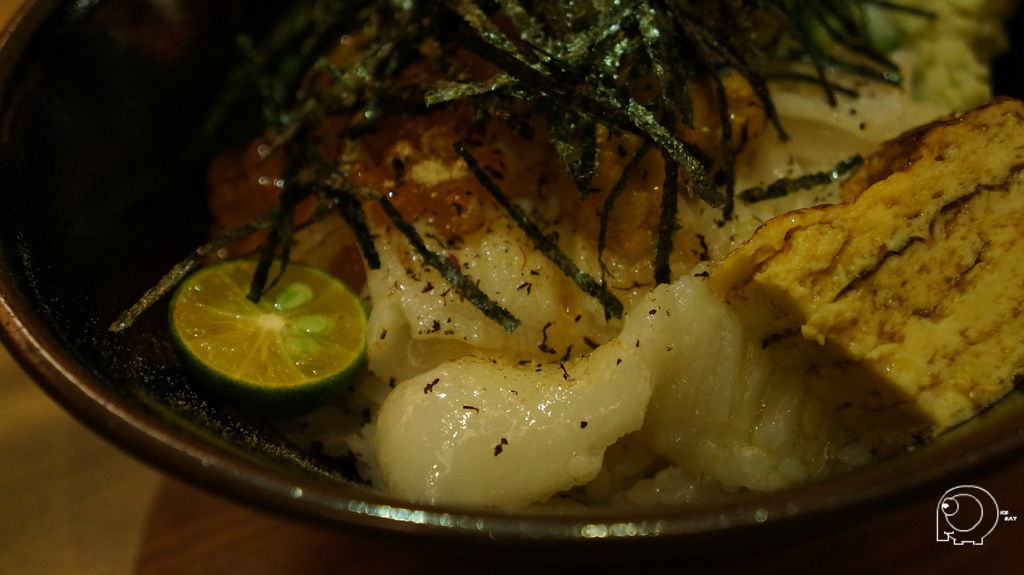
<point>967,514</point>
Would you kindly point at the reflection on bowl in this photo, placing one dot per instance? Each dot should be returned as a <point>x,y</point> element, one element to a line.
<point>102,190</point>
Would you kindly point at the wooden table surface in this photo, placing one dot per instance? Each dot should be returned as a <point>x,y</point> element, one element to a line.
<point>71,503</point>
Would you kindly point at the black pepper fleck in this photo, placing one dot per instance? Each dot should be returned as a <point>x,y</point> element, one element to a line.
<point>568,353</point>
<point>544,342</point>
<point>499,447</point>
<point>565,373</point>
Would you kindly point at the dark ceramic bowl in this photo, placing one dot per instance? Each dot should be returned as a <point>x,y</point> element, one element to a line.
<point>101,190</point>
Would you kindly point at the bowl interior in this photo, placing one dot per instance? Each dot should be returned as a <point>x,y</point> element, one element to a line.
<point>102,188</point>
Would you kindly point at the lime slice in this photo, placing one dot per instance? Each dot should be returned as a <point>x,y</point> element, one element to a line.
<point>286,354</point>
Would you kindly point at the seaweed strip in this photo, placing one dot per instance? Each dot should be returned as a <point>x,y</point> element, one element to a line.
<point>542,243</point>
<point>612,22</point>
<point>677,151</point>
<point>629,115</point>
<point>609,205</point>
<point>587,162</point>
<point>671,87</point>
<point>727,146</point>
<point>807,78</point>
<point>451,91</point>
<point>729,55</point>
<point>281,230</point>
<point>529,28</point>
<point>276,70</point>
<point>579,156</point>
<point>784,186</point>
<point>667,224</point>
<point>181,269</point>
<point>852,36</point>
<point>891,76</point>
<point>351,210</point>
<point>482,25</point>
<point>816,56</point>
<point>462,284</point>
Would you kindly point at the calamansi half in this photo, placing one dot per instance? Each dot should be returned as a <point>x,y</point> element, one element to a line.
<point>283,355</point>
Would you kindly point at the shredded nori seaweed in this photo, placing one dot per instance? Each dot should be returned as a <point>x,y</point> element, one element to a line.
<point>609,207</point>
<point>541,242</point>
<point>440,262</point>
<point>576,63</point>
<point>785,186</point>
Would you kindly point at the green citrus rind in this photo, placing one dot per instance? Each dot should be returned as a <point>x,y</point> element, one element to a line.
<point>289,353</point>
